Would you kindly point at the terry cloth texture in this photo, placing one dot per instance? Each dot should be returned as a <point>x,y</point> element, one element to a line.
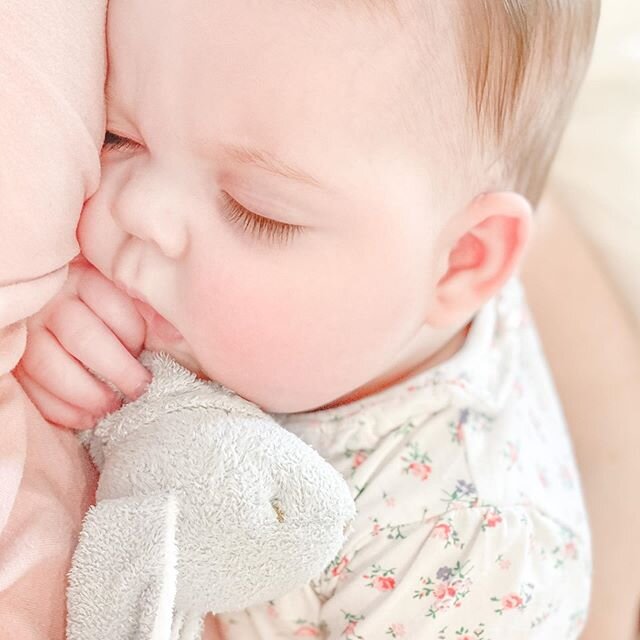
<point>204,504</point>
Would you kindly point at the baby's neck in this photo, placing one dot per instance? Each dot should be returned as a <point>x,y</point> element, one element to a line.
<point>410,362</point>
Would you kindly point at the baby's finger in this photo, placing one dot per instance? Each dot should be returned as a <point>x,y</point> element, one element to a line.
<point>87,338</point>
<point>114,307</point>
<point>48,364</point>
<point>51,408</point>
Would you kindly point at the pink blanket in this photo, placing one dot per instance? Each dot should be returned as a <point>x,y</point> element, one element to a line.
<point>52,67</point>
<point>52,72</point>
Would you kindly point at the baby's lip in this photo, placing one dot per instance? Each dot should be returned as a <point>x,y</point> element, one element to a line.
<point>156,322</point>
<point>130,291</point>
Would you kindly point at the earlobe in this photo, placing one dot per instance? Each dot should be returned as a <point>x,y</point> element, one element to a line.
<point>484,247</point>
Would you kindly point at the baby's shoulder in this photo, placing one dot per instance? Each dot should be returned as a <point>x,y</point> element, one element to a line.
<point>467,456</point>
<point>487,430</point>
<point>481,501</point>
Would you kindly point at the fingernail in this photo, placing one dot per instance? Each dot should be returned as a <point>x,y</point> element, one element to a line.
<point>140,389</point>
<point>114,405</point>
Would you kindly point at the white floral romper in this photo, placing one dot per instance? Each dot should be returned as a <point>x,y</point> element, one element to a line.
<point>471,522</point>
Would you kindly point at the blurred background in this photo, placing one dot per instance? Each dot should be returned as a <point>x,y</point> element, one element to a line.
<point>596,180</point>
<point>596,175</point>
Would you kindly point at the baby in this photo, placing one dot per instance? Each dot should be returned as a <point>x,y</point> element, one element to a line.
<point>323,206</point>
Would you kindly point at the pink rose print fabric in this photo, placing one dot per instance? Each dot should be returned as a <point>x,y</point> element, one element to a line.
<point>471,523</point>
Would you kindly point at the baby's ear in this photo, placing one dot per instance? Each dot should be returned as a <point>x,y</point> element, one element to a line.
<point>479,250</point>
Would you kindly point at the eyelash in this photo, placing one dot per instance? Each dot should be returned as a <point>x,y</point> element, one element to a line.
<point>114,141</point>
<point>257,226</point>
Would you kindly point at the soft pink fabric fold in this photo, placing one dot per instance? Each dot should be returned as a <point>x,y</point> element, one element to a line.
<point>52,67</point>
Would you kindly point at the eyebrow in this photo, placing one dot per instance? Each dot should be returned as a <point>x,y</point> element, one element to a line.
<point>270,163</point>
<point>258,158</point>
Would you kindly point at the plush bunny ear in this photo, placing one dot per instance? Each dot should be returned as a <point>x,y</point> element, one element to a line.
<point>122,583</point>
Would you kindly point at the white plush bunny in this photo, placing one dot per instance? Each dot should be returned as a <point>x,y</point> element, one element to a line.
<point>204,504</point>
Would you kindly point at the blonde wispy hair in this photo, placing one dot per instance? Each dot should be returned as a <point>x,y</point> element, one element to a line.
<point>520,64</point>
<point>524,62</point>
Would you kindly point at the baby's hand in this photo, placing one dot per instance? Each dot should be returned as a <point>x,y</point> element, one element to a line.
<point>89,322</point>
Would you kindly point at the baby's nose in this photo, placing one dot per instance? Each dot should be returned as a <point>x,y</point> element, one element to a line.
<point>153,213</point>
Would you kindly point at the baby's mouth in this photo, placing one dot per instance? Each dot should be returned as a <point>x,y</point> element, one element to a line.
<point>157,323</point>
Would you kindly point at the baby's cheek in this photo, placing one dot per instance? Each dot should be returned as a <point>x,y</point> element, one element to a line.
<point>268,334</point>
<point>277,346</point>
<point>240,332</point>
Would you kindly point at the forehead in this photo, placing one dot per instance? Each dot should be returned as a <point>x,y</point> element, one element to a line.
<point>263,67</point>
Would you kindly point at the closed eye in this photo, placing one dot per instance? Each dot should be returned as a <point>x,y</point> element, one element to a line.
<point>257,225</point>
<point>112,141</point>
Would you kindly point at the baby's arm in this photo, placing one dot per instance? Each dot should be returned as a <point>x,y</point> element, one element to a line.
<point>89,324</point>
<point>593,349</point>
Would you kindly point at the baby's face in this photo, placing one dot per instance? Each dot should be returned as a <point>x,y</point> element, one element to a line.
<point>295,114</point>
